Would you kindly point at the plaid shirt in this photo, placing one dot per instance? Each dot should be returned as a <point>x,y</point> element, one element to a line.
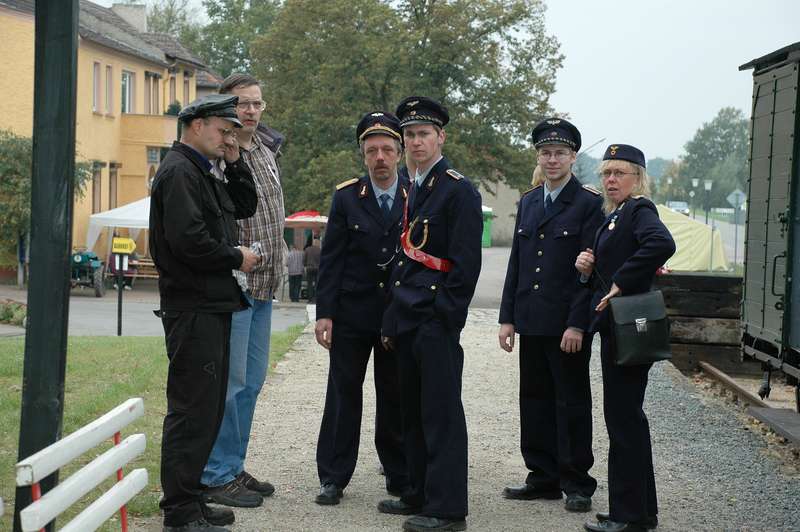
<point>266,225</point>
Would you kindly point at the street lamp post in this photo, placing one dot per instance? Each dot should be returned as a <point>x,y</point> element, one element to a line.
<point>695,182</point>
<point>707,186</point>
<point>669,189</point>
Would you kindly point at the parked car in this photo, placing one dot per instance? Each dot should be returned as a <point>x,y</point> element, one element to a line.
<point>679,206</point>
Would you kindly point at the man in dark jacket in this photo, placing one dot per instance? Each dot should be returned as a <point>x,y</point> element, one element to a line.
<point>545,303</point>
<point>193,242</point>
<point>431,287</point>
<point>360,243</point>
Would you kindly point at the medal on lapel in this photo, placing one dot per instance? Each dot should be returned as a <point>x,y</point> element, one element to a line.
<point>613,222</point>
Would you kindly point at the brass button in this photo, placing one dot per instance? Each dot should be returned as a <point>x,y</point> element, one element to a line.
<point>380,284</point>
<point>400,263</point>
<point>519,230</point>
<point>433,287</point>
<point>397,283</point>
<point>355,226</point>
<point>536,287</point>
<point>538,269</point>
<point>540,253</point>
<point>425,221</point>
<point>541,236</point>
<point>566,233</point>
<point>383,250</point>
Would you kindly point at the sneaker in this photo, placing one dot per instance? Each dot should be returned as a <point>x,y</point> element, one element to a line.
<point>250,482</point>
<point>201,525</point>
<point>234,494</point>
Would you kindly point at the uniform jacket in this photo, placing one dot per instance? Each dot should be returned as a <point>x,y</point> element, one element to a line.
<point>193,231</point>
<point>356,256</point>
<point>630,253</point>
<point>543,294</point>
<point>447,208</point>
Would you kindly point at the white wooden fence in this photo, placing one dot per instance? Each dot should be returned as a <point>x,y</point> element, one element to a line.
<point>33,469</point>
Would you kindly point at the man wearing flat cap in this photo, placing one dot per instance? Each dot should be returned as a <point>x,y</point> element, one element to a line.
<point>431,287</point>
<point>193,242</point>
<point>547,304</point>
<point>358,250</point>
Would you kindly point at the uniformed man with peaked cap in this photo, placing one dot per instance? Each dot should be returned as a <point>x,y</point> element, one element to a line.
<point>431,287</point>
<point>194,244</point>
<point>545,302</point>
<point>359,246</point>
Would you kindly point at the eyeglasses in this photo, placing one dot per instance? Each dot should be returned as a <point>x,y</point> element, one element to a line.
<point>605,174</point>
<point>257,105</point>
<point>226,132</point>
<point>561,155</point>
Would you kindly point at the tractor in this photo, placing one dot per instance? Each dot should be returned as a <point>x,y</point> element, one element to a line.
<point>87,270</point>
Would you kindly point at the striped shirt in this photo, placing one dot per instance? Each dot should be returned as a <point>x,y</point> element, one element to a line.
<point>266,225</point>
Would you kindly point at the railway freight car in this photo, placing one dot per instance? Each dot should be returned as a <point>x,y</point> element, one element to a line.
<point>771,295</point>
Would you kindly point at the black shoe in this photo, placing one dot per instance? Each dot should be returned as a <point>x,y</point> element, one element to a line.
<point>650,523</point>
<point>526,492</point>
<point>613,526</point>
<point>578,503</point>
<point>201,525</point>
<point>329,494</point>
<point>396,492</point>
<point>249,481</point>
<point>217,516</point>
<point>420,523</point>
<point>397,507</point>
<point>233,494</point>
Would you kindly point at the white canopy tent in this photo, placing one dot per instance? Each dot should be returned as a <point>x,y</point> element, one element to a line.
<point>134,216</point>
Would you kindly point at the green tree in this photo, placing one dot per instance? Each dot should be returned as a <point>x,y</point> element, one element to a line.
<point>326,63</point>
<point>16,153</point>
<point>176,18</point>
<point>718,151</point>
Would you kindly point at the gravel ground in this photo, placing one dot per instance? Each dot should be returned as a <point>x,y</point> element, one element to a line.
<point>712,472</point>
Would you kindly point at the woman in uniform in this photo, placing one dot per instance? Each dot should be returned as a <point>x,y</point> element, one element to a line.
<point>629,247</point>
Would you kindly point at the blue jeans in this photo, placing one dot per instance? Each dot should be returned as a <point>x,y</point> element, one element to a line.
<point>250,330</point>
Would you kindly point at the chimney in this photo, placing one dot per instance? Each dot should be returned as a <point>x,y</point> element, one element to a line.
<point>133,14</point>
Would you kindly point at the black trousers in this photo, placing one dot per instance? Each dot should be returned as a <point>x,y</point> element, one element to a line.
<point>198,347</point>
<point>631,482</point>
<point>295,281</point>
<point>340,432</point>
<point>311,284</point>
<point>431,362</point>
<point>555,403</point>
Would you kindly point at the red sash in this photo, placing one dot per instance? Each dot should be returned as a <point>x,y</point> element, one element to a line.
<point>434,263</point>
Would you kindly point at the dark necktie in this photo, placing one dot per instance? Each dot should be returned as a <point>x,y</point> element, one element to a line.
<point>385,206</point>
<point>548,202</point>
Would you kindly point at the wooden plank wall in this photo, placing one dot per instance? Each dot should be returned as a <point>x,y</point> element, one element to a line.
<point>704,317</point>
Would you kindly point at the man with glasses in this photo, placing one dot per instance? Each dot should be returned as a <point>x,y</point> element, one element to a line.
<point>360,244</point>
<point>547,304</point>
<point>194,245</point>
<point>227,481</point>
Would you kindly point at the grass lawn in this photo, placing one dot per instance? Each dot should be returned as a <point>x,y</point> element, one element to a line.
<point>102,372</point>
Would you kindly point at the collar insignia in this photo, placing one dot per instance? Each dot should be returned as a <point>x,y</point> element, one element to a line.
<point>363,193</point>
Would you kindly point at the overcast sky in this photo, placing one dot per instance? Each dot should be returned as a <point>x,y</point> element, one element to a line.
<point>650,72</point>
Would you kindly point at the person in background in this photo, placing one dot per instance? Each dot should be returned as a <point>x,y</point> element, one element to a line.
<point>631,244</point>
<point>311,257</point>
<point>295,264</point>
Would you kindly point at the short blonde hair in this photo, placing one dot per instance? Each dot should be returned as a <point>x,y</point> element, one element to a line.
<point>641,188</point>
<point>538,176</point>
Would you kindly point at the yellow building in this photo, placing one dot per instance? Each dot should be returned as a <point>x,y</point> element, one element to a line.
<point>127,79</point>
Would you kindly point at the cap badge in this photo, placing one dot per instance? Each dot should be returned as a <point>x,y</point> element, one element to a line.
<point>553,134</point>
<point>376,114</point>
<point>554,122</point>
<point>613,150</point>
<point>412,104</point>
<point>412,113</point>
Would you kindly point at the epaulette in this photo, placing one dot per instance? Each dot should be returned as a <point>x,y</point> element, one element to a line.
<point>530,189</point>
<point>591,189</point>
<point>345,184</point>
<point>455,175</point>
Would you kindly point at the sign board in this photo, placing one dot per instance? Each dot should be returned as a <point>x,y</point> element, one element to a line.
<point>736,198</point>
<point>126,246</point>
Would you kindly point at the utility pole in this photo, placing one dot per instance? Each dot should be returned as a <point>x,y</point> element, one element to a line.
<point>55,81</point>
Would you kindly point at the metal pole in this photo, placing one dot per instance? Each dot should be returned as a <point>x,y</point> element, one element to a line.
<point>55,81</point>
<point>736,232</point>
<point>120,283</point>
